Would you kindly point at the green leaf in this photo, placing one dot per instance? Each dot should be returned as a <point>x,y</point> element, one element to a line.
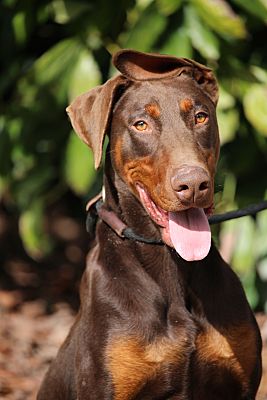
<point>261,251</point>
<point>241,233</point>
<point>146,31</point>
<point>255,107</point>
<point>72,8</point>
<point>66,10</point>
<point>229,191</point>
<point>203,40</point>
<point>168,7</point>
<point>79,169</point>
<point>19,27</point>
<point>34,185</point>
<point>226,100</point>
<point>85,75</point>
<point>228,122</point>
<point>31,227</point>
<point>221,18</point>
<point>259,73</point>
<point>261,234</point>
<point>254,7</point>
<point>244,256</point>
<point>178,44</point>
<point>54,63</point>
<point>60,12</point>
<point>262,269</point>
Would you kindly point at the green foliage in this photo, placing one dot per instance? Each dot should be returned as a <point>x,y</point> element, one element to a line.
<point>32,232</point>
<point>53,50</point>
<point>202,38</point>
<point>219,16</point>
<point>255,107</point>
<point>78,166</point>
<point>146,30</point>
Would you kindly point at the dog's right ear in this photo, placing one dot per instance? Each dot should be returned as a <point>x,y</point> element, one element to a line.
<point>90,114</point>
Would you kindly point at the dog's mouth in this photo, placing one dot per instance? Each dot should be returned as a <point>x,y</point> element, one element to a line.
<point>187,231</point>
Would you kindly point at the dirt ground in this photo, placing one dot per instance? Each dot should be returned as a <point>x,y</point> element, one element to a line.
<point>38,302</point>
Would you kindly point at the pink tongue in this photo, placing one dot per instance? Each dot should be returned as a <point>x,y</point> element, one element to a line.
<point>190,233</point>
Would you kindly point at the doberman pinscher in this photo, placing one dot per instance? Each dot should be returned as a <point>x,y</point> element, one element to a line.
<point>156,321</point>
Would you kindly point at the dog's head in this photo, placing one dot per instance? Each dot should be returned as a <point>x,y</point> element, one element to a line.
<point>160,113</point>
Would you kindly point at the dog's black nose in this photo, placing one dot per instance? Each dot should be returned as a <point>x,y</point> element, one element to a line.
<point>192,185</point>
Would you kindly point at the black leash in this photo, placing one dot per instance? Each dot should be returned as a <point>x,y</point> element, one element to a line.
<point>252,210</point>
<point>129,234</point>
<point>98,210</point>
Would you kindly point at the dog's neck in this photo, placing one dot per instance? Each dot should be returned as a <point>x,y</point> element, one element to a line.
<point>126,205</point>
<point>163,262</point>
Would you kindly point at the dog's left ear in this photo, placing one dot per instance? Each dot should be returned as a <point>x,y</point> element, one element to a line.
<point>90,114</point>
<point>139,66</point>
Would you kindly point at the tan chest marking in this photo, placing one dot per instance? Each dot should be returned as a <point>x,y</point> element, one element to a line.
<point>132,364</point>
<point>234,349</point>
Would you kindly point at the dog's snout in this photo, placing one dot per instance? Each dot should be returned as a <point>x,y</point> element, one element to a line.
<point>192,185</point>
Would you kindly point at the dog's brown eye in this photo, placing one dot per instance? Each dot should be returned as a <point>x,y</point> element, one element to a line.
<point>140,125</point>
<point>200,118</point>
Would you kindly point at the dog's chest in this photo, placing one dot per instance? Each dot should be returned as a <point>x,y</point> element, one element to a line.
<point>139,369</point>
<point>223,362</point>
<point>172,363</point>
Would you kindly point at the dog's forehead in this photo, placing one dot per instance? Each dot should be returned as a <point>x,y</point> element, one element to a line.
<point>165,92</point>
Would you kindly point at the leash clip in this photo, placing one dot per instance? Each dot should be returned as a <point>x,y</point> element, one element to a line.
<point>110,218</point>
<point>96,209</point>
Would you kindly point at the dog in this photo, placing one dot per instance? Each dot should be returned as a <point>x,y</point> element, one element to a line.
<point>157,321</point>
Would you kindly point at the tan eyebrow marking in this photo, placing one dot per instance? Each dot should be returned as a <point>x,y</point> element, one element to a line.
<point>153,110</point>
<point>186,105</point>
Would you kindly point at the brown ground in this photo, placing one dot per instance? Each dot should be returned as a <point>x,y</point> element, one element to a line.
<point>38,301</point>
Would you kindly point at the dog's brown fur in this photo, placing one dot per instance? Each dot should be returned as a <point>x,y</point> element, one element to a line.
<point>151,325</point>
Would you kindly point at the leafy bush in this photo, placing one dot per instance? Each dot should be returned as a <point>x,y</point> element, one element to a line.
<point>54,50</point>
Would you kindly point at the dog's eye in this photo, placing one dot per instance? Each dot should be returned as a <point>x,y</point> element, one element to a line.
<point>201,117</point>
<point>141,125</point>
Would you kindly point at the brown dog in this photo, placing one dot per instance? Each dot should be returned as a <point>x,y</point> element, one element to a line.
<point>156,321</point>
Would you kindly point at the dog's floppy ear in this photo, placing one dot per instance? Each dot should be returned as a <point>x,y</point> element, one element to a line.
<point>147,66</point>
<point>90,114</point>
